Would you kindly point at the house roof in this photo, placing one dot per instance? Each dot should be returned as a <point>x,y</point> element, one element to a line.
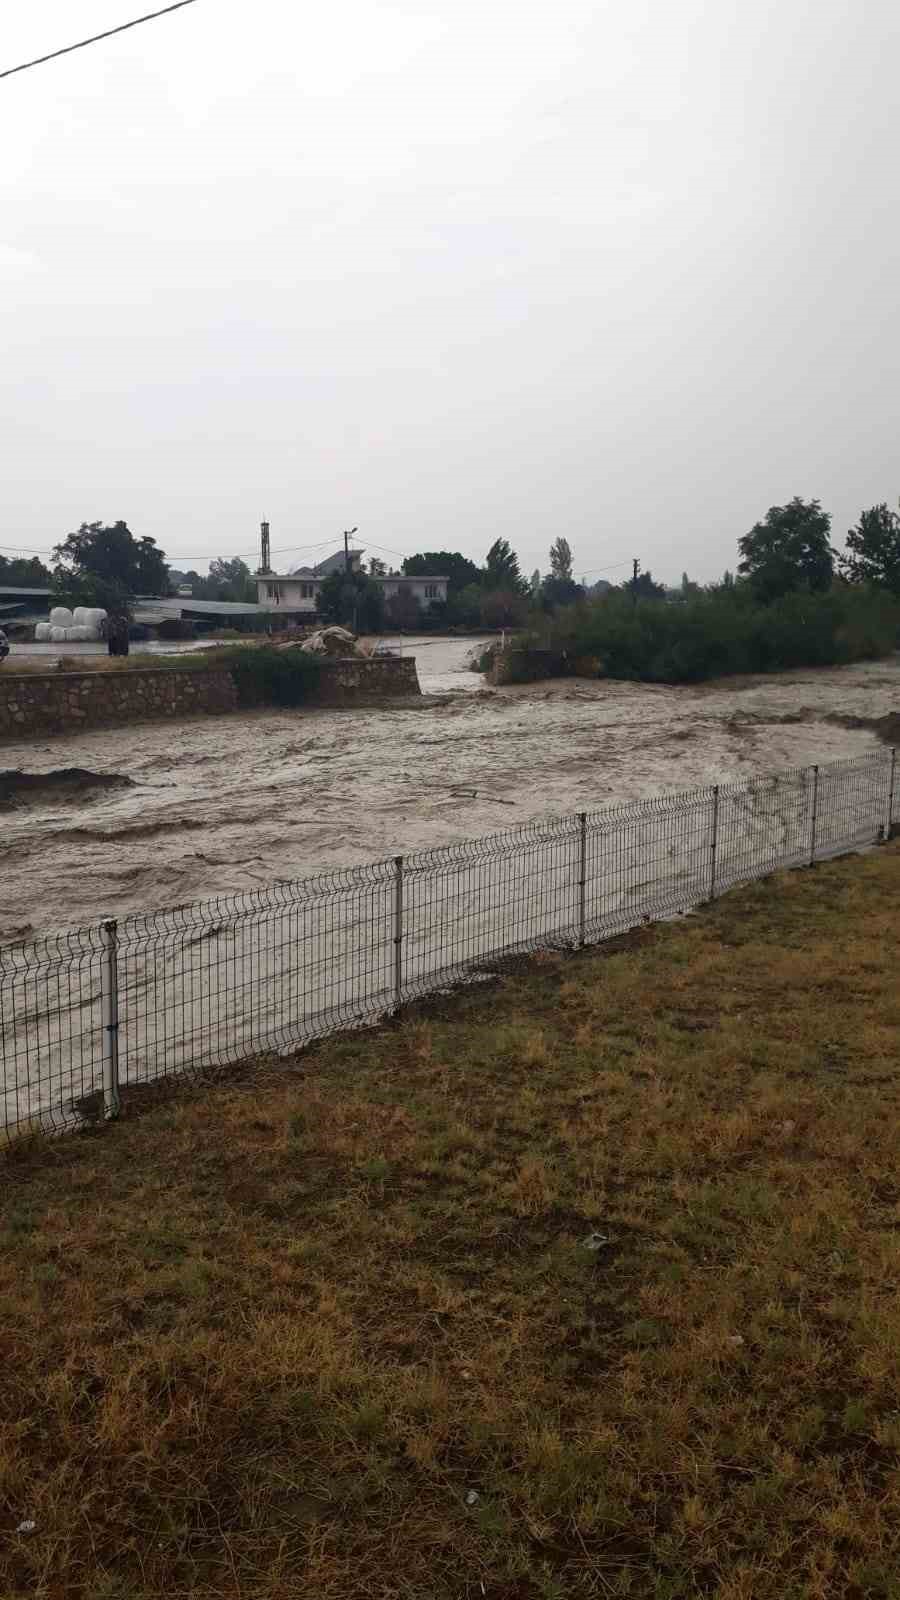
<point>323,569</point>
<point>307,575</point>
<point>288,577</point>
<point>26,593</point>
<point>204,608</point>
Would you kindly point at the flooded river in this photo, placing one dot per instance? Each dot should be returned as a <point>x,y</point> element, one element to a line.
<point>221,804</point>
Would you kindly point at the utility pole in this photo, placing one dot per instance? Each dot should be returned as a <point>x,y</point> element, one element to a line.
<point>350,592</point>
<point>637,567</point>
<point>264,552</point>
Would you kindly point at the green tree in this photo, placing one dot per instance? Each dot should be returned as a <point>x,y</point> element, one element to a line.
<point>353,600</point>
<point>403,609</point>
<point>561,559</point>
<point>503,608</point>
<point>110,555</point>
<point>557,592</point>
<point>464,606</point>
<point>645,587</point>
<point>377,567</point>
<point>71,588</point>
<point>535,584</point>
<point>457,569</point>
<point>873,549</point>
<point>788,550</point>
<point>501,569</point>
<point>24,573</point>
<point>230,579</point>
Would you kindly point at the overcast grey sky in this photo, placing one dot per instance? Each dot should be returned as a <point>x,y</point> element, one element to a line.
<point>450,269</point>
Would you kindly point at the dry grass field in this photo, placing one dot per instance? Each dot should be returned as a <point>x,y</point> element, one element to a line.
<point>584,1283</point>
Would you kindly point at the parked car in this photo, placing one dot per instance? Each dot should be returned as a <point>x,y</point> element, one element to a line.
<point>4,646</point>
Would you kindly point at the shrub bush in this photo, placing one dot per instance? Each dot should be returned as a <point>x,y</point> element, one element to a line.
<point>265,676</point>
<point>722,630</point>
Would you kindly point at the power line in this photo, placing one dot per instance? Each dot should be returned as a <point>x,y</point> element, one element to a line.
<point>293,549</point>
<point>284,550</point>
<point>613,567</point>
<point>122,28</point>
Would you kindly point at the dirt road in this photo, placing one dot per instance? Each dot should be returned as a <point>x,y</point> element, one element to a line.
<point>223,804</point>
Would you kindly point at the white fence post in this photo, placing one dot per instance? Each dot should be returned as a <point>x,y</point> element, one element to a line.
<point>815,814</point>
<point>109,1001</point>
<point>889,820</point>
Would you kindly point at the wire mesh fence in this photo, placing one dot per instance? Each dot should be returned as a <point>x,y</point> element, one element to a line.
<point>89,1015</point>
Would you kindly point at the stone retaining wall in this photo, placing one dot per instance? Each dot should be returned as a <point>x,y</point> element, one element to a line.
<point>36,704</point>
<point>348,682</point>
<point>63,702</point>
<point>526,666</point>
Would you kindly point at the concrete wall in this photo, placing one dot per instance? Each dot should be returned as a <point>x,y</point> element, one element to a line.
<point>37,704</point>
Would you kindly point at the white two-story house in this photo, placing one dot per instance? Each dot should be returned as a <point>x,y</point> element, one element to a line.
<point>294,596</point>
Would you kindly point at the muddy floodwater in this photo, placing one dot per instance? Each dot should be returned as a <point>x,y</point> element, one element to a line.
<point>221,804</point>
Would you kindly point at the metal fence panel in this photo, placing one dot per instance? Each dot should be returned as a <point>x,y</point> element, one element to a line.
<point>51,1031</point>
<point>763,825</point>
<point>647,860</point>
<point>853,802</point>
<point>256,972</point>
<point>488,898</point>
<point>86,1013</point>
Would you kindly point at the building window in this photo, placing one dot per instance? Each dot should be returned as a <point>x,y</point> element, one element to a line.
<point>431,591</point>
<point>307,591</point>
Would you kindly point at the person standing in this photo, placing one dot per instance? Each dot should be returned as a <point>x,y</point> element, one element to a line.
<point>117,635</point>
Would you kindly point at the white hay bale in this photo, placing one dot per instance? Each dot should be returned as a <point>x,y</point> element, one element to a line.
<point>61,617</point>
<point>42,633</point>
<point>90,618</point>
